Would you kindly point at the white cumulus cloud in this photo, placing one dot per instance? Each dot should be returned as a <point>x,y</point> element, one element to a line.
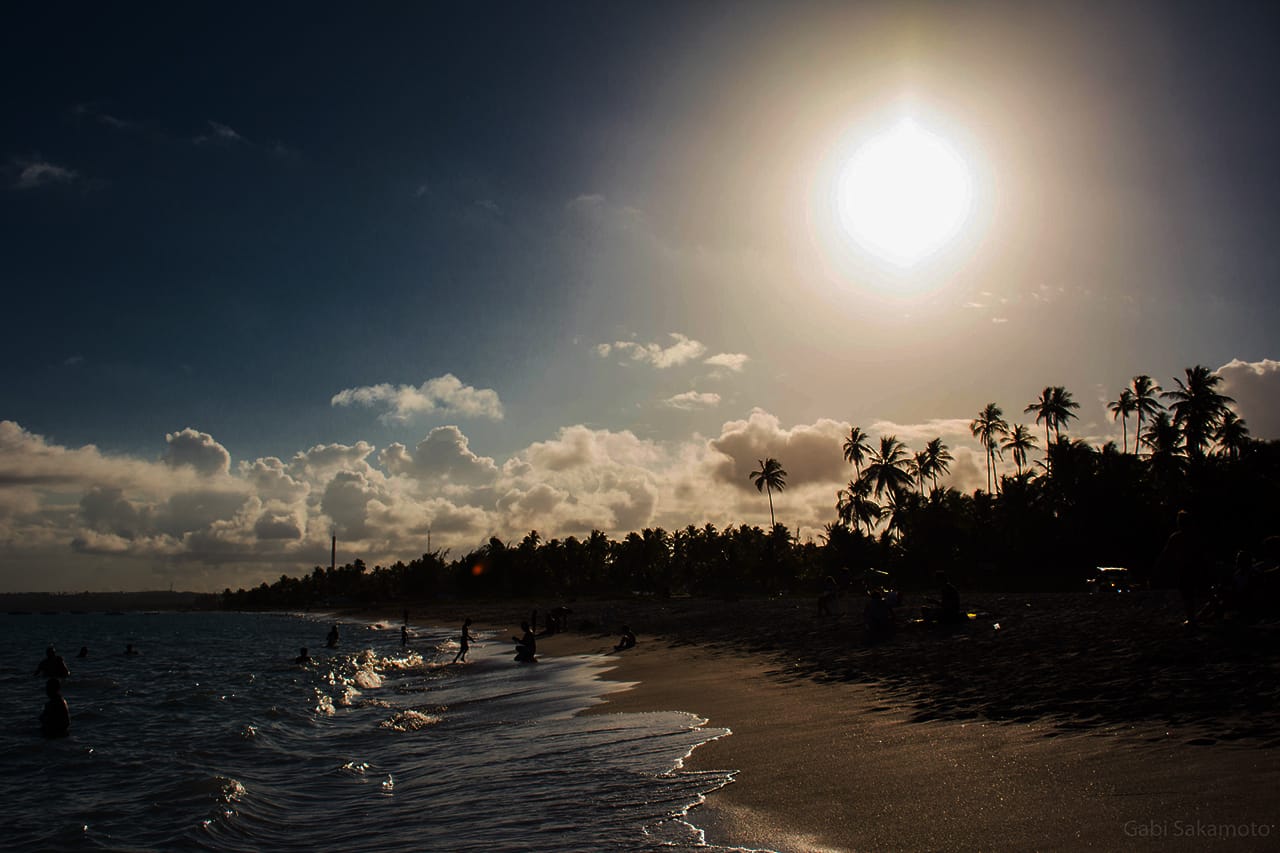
<point>445,395</point>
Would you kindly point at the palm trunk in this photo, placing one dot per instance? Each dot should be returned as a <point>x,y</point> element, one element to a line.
<point>772,522</point>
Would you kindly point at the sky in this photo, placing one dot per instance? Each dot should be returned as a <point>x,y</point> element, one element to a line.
<point>430,273</point>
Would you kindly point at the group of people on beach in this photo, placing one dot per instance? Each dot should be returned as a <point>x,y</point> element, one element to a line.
<point>55,718</point>
<point>1248,587</point>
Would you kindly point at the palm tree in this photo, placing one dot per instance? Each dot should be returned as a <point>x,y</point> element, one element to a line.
<point>1198,408</point>
<point>1121,408</point>
<point>1020,441</point>
<point>938,460</point>
<point>1146,402</point>
<point>856,449</point>
<point>1053,406</point>
<point>769,477</point>
<point>854,504</point>
<point>1162,439</point>
<point>1232,435</point>
<point>918,468</point>
<point>888,468</point>
<point>987,428</point>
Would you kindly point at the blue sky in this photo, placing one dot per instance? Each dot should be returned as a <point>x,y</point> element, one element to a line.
<point>501,266</point>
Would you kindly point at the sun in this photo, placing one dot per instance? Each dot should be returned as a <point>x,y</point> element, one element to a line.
<point>904,194</point>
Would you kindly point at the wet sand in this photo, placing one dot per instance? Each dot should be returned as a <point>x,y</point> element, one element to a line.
<point>1079,724</point>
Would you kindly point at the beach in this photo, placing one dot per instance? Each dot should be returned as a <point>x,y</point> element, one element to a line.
<point>1077,724</point>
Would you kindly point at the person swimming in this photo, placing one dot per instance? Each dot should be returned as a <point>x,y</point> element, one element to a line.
<point>302,657</point>
<point>55,719</point>
<point>526,646</point>
<point>53,666</point>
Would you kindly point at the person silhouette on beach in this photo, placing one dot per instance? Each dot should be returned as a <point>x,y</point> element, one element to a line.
<point>53,666</point>
<point>55,719</point>
<point>526,646</point>
<point>627,641</point>
<point>130,650</point>
<point>303,656</point>
<point>945,609</point>
<point>464,642</point>
<point>331,641</point>
<point>404,635</point>
<point>84,652</point>
<point>1183,560</point>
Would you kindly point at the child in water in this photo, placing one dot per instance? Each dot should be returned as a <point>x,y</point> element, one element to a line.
<point>464,641</point>
<point>526,646</point>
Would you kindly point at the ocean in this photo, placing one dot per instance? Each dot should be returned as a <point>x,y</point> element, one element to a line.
<point>212,738</point>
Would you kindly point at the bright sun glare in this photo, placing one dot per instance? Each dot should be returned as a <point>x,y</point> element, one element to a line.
<point>904,194</point>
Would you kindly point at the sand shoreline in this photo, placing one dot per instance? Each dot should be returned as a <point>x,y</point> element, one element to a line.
<point>841,765</point>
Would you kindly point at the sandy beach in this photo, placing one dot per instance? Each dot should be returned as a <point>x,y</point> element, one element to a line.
<point>1078,724</point>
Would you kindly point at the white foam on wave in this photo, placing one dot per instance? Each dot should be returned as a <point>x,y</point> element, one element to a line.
<point>409,721</point>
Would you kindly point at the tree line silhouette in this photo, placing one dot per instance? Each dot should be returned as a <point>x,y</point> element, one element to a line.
<point>1038,527</point>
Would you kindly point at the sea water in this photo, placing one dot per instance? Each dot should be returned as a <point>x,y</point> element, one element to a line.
<point>213,738</point>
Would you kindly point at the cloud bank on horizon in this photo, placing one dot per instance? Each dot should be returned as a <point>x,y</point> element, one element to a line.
<point>192,516</point>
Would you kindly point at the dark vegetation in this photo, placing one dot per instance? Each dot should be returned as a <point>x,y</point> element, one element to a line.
<point>1039,527</point>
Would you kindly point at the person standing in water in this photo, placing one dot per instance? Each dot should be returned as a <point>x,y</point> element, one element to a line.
<point>53,666</point>
<point>55,719</point>
<point>331,641</point>
<point>464,642</point>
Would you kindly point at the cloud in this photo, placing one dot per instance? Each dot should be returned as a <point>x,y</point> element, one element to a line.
<point>220,133</point>
<point>682,351</point>
<point>197,449</point>
<point>113,122</point>
<point>38,173</point>
<point>442,395</point>
<point>925,431</point>
<point>734,361</point>
<point>1255,385</point>
<point>811,453</point>
<point>693,400</point>
<point>445,454</point>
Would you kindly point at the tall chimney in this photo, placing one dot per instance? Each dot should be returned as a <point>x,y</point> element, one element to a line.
<point>333,554</point>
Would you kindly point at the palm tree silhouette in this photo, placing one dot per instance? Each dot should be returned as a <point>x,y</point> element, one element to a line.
<point>1232,435</point>
<point>1020,441</point>
<point>1146,403</point>
<point>938,460</point>
<point>1198,408</point>
<point>856,449</point>
<point>1121,408</point>
<point>888,468</point>
<point>769,477</point>
<point>987,427</point>
<point>854,504</point>
<point>918,468</point>
<point>1053,406</point>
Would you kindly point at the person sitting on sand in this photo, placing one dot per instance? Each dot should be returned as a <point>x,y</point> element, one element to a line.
<point>303,656</point>
<point>526,646</point>
<point>465,641</point>
<point>945,608</point>
<point>53,666</point>
<point>331,641</point>
<point>55,719</point>
<point>627,641</point>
